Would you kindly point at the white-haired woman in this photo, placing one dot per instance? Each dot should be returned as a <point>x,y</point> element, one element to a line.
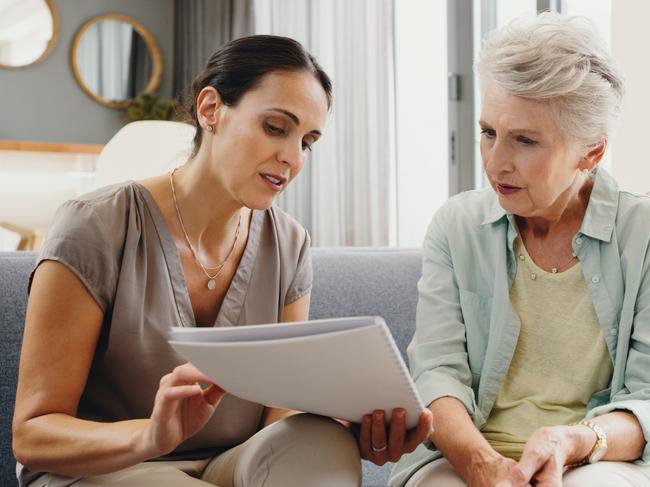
<point>532,345</point>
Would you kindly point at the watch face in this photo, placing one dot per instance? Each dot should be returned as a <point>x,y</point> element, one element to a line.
<point>597,455</point>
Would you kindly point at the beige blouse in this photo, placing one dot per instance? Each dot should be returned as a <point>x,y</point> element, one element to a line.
<point>117,242</point>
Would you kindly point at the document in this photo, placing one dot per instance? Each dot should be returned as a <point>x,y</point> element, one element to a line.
<point>343,367</point>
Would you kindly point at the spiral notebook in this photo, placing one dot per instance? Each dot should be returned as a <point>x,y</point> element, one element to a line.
<point>342,368</point>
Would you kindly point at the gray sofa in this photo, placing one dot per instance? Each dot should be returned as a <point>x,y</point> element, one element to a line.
<point>347,282</point>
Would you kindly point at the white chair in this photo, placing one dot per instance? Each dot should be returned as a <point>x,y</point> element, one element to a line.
<point>143,149</point>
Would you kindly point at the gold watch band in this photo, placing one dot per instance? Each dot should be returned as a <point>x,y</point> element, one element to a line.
<point>600,446</point>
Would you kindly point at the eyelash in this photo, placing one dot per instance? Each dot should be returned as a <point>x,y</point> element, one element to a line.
<point>277,131</point>
<point>489,133</point>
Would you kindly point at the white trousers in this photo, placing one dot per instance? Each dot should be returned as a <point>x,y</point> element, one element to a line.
<point>440,473</point>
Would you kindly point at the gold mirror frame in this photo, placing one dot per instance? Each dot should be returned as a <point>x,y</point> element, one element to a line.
<point>50,45</point>
<point>150,41</point>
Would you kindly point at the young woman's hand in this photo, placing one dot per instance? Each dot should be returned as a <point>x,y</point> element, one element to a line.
<point>380,444</point>
<point>182,408</point>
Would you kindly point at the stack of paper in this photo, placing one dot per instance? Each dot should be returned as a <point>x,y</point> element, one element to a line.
<point>342,368</point>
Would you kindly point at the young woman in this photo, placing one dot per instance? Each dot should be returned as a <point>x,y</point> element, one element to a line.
<point>100,392</point>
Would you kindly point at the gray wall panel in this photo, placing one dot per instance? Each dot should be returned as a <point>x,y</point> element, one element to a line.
<point>44,102</point>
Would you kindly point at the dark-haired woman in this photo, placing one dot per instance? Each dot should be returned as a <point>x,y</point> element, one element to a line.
<point>101,393</point>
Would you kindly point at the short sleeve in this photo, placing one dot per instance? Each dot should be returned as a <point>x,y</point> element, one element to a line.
<point>302,281</point>
<point>82,237</point>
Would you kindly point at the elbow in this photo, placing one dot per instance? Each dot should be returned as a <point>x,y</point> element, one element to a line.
<point>21,450</point>
<point>18,448</point>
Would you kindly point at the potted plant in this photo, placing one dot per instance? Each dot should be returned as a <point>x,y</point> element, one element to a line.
<point>151,106</point>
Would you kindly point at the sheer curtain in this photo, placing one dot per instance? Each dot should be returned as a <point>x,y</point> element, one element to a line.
<point>200,28</point>
<point>346,193</point>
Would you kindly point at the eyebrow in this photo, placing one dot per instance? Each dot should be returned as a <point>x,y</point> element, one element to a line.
<point>292,116</point>
<point>529,131</point>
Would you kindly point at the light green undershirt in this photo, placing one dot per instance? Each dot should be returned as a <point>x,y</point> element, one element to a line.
<point>560,361</point>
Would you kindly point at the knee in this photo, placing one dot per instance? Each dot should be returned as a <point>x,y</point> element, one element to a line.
<point>326,433</point>
<point>312,450</point>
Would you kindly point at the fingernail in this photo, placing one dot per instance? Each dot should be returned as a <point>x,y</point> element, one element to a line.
<point>503,483</point>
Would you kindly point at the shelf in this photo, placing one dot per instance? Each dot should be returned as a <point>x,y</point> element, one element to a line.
<point>25,145</point>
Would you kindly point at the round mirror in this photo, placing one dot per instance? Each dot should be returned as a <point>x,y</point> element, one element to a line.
<point>114,59</point>
<point>28,31</point>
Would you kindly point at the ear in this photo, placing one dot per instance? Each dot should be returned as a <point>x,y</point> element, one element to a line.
<point>594,155</point>
<point>208,104</point>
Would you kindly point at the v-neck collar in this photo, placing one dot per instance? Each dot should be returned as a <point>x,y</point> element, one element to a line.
<point>233,300</point>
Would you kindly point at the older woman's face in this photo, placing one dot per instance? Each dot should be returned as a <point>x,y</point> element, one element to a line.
<point>529,162</point>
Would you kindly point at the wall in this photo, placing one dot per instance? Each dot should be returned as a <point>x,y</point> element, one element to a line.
<point>630,165</point>
<point>44,102</point>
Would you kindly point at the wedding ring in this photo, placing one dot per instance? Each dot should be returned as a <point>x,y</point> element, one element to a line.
<point>378,450</point>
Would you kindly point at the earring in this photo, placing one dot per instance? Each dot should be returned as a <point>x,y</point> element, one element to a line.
<point>208,128</point>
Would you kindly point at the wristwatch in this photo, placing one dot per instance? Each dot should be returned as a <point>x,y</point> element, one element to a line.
<point>600,447</point>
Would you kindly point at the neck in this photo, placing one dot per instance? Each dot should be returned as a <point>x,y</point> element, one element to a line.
<point>210,216</point>
<point>566,214</point>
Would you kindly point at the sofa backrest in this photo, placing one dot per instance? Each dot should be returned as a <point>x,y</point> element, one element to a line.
<point>15,268</point>
<point>347,282</point>
<point>368,281</point>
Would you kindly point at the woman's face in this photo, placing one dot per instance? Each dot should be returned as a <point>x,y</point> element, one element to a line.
<point>530,163</point>
<point>261,143</point>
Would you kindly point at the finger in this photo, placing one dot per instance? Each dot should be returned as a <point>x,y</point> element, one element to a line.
<point>213,394</point>
<point>167,399</point>
<point>378,431</point>
<point>364,437</point>
<point>188,374</point>
<point>397,434</point>
<point>421,432</point>
<point>181,392</point>
<point>517,477</point>
<point>531,461</point>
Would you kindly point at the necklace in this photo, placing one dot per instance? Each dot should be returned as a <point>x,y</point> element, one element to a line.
<point>554,270</point>
<point>217,269</point>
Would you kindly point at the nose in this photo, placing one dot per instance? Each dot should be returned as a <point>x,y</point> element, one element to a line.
<point>497,158</point>
<point>292,154</point>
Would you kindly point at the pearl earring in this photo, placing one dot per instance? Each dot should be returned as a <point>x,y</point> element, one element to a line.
<point>208,128</point>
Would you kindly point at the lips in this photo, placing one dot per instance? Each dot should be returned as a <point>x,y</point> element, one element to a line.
<point>274,181</point>
<point>507,189</point>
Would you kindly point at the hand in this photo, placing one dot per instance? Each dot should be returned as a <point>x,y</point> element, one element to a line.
<point>495,471</point>
<point>378,446</point>
<point>545,455</point>
<point>181,408</point>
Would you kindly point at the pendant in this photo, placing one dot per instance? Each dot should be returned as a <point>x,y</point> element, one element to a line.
<point>212,284</point>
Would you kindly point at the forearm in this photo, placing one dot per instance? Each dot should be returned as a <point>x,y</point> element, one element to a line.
<point>64,445</point>
<point>625,440</point>
<point>457,438</point>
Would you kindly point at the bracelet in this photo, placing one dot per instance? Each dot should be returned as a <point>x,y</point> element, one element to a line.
<point>600,446</point>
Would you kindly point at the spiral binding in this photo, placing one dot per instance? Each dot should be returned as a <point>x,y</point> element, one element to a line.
<point>397,357</point>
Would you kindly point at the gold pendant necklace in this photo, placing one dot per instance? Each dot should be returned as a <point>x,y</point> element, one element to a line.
<point>212,283</point>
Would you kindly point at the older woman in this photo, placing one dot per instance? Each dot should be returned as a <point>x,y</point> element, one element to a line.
<point>532,346</point>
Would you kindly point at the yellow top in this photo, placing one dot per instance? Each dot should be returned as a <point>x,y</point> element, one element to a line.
<point>560,361</point>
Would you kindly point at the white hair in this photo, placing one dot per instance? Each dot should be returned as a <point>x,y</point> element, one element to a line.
<point>561,59</point>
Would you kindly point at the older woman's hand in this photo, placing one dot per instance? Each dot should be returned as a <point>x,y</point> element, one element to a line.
<point>545,455</point>
<point>380,444</point>
<point>498,471</point>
